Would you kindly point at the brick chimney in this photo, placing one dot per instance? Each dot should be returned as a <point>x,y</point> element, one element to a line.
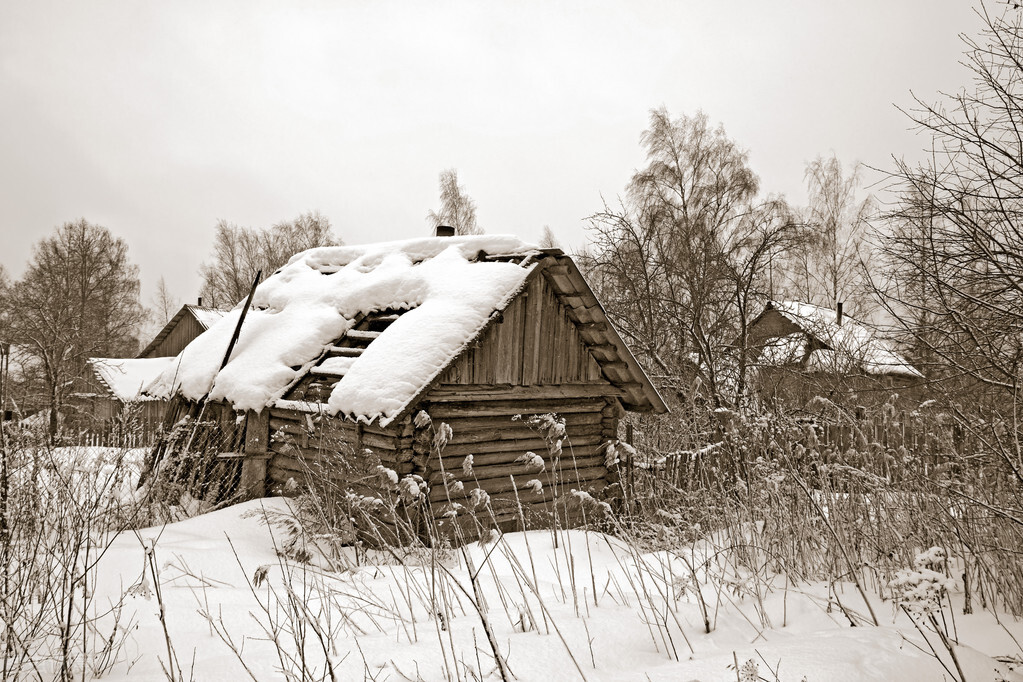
<point>445,231</point>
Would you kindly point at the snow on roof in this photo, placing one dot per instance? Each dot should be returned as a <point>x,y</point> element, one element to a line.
<point>207,317</point>
<point>315,299</point>
<point>126,377</point>
<point>853,339</point>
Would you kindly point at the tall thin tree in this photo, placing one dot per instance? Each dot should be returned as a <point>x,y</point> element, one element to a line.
<point>457,209</point>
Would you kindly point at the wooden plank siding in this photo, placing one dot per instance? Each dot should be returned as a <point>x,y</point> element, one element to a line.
<point>534,343</point>
<point>187,329</point>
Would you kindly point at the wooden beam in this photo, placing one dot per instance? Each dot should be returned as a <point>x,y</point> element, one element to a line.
<point>570,459</point>
<point>460,450</point>
<point>513,407</point>
<point>503,471</point>
<point>325,372</point>
<point>446,393</point>
<point>257,431</point>
<point>360,335</point>
<point>509,432</point>
<point>341,351</point>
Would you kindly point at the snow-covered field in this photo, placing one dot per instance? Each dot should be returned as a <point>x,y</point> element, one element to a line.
<point>244,593</point>
<point>573,605</point>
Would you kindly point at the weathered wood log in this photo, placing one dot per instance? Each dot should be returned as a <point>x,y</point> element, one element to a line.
<point>575,433</point>
<point>325,466</point>
<point>512,407</point>
<point>289,427</point>
<point>466,424</point>
<point>360,335</point>
<point>540,515</point>
<point>343,352</point>
<point>313,454</point>
<point>287,415</point>
<point>368,440</point>
<point>374,427</point>
<point>487,459</point>
<point>517,445</point>
<point>463,393</point>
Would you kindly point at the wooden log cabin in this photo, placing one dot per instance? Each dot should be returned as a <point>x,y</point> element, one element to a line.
<point>471,332</point>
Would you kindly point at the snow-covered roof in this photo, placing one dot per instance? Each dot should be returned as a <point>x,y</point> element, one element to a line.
<point>206,317</point>
<point>317,297</point>
<point>126,377</point>
<point>446,290</point>
<point>847,346</point>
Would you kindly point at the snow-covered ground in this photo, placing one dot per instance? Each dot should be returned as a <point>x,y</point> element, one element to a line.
<point>571,605</point>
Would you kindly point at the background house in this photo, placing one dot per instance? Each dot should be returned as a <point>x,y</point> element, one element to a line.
<point>374,346</point>
<point>801,351</point>
<point>108,403</point>
<point>187,323</point>
<point>22,397</point>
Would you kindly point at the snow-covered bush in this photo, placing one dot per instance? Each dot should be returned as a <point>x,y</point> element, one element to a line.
<point>920,590</point>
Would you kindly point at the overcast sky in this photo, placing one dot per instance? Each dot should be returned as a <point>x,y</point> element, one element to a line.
<point>156,119</point>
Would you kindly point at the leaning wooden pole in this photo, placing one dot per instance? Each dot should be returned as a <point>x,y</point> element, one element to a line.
<point>159,450</point>
<point>241,321</point>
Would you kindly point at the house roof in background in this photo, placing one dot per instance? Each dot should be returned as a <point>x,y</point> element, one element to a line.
<point>206,317</point>
<point>851,344</point>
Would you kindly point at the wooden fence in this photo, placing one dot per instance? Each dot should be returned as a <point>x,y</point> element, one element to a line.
<point>141,437</point>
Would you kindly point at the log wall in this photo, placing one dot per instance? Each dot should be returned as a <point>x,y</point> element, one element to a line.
<point>302,444</point>
<point>496,433</point>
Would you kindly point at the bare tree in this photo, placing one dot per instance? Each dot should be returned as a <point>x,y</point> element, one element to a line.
<point>681,262</point>
<point>165,304</point>
<point>954,242</point>
<point>548,240</point>
<point>829,266</point>
<point>953,246</point>
<point>240,252</point>
<point>457,209</point>
<point>79,298</point>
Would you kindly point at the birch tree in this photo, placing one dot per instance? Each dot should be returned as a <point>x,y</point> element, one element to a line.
<point>457,209</point>
<point>681,261</point>
<point>829,266</point>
